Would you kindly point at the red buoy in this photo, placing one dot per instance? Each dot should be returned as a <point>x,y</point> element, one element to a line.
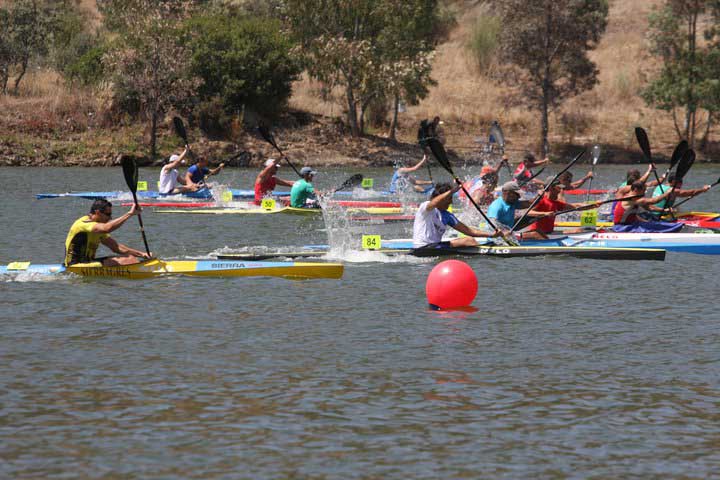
<point>451,284</point>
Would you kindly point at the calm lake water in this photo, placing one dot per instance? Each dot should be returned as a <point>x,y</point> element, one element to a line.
<point>568,369</point>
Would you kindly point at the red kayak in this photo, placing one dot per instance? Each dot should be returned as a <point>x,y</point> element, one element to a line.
<point>382,218</point>
<point>585,192</point>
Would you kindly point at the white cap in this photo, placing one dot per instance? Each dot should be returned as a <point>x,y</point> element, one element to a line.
<point>173,158</point>
<point>271,161</point>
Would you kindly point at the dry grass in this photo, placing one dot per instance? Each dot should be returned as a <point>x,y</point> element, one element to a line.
<point>468,100</point>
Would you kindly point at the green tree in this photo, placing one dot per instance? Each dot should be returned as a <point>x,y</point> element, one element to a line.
<point>362,45</point>
<point>544,45</point>
<point>686,76</point>
<point>149,57</point>
<point>246,62</point>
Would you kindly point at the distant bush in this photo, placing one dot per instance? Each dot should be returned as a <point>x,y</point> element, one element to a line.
<point>88,67</point>
<point>484,40</point>
<point>245,62</point>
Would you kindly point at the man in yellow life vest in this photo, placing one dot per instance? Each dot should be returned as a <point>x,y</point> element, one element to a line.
<point>89,231</point>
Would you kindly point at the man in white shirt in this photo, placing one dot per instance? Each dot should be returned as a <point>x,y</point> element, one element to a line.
<point>171,182</point>
<point>432,219</point>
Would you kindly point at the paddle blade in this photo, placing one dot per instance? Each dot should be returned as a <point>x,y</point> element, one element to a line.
<point>180,129</point>
<point>130,171</point>
<point>265,133</point>
<point>439,153</point>
<point>596,154</point>
<point>678,153</point>
<point>496,134</point>
<point>685,163</point>
<point>353,181</point>
<point>643,141</point>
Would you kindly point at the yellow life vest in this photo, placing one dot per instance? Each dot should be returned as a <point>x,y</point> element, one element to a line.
<point>81,242</point>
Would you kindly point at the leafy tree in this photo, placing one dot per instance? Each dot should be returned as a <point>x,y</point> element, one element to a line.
<point>6,49</point>
<point>245,62</point>
<point>544,44</point>
<point>76,50</point>
<point>674,37</point>
<point>149,58</point>
<point>370,48</point>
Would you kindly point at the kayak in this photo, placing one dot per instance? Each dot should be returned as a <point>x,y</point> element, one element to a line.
<point>694,219</point>
<point>200,194</point>
<point>698,243</point>
<point>286,210</point>
<point>196,268</point>
<point>342,203</point>
<point>404,247</point>
<point>593,191</point>
<point>378,219</point>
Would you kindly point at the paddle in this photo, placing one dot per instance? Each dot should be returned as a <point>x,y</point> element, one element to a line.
<point>439,153</point>
<point>693,196</point>
<point>496,134</point>
<point>528,180</point>
<point>182,133</point>
<point>686,162</point>
<point>130,171</point>
<point>265,133</point>
<point>677,154</point>
<point>423,137</point>
<point>595,156</point>
<point>353,181</point>
<point>644,143</point>
<point>547,187</point>
<point>584,207</point>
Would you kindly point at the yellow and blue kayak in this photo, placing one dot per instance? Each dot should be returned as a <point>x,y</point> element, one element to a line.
<point>194,268</point>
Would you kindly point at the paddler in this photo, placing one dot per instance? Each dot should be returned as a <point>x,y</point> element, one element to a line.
<point>171,182</point>
<point>678,192</point>
<point>503,208</point>
<point>197,174</point>
<point>302,193</point>
<point>546,208</point>
<point>626,214</point>
<point>402,180</point>
<point>266,180</point>
<point>432,219</point>
<point>89,231</point>
<point>482,188</point>
<point>567,181</point>
<point>523,172</point>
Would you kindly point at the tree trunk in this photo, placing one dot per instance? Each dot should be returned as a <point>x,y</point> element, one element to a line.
<point>153,133</point>
<point>393,122</point>
<point>23,69</point>
<point>352,112</point>
<point>706,136</point>
<point>4,76</point>
<point>546,82</point>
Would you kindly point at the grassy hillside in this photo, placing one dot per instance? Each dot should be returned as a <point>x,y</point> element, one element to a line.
<point>468,100</point>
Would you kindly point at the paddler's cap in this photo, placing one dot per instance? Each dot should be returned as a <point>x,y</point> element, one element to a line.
<point>173,158</point>
<point>307,171</point>
<point>485,170</point>
<point>510,187</point>
<point>271,161</point>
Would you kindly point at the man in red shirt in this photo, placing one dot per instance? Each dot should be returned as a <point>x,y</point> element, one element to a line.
<point>546,209</point>
<point>266,180</point>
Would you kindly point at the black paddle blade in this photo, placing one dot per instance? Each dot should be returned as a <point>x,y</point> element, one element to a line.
<point>439,153</point>
<point>496,134</point>
<point>643,141</point>
<point>130,171</point>
<point>353,181</point>
<point>180,129</point>
<point>678,153</point>
<point>265,133</point>
<point>686,162</point>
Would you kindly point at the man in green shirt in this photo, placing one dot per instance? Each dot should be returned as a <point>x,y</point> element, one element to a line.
<point>302,190</point>
<point>678,192</point>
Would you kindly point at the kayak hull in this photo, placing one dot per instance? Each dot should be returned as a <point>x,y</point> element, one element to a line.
<point>283,210</point>
<point>698,243</point>
<point>194,268</point>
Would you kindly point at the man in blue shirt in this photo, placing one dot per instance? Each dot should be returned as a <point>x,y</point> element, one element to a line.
<point>503,208</point>
<point>196,174</point>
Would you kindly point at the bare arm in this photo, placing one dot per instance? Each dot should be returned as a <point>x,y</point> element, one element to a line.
<point>439,199</point>
<point>414,168</point>
<point>473,232</point>
<point>114,224</point>
<point>579,183</point>
<point>117,247</point>
<point>264,174</point>
<point>215,171</point>
<point>286,183</point>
